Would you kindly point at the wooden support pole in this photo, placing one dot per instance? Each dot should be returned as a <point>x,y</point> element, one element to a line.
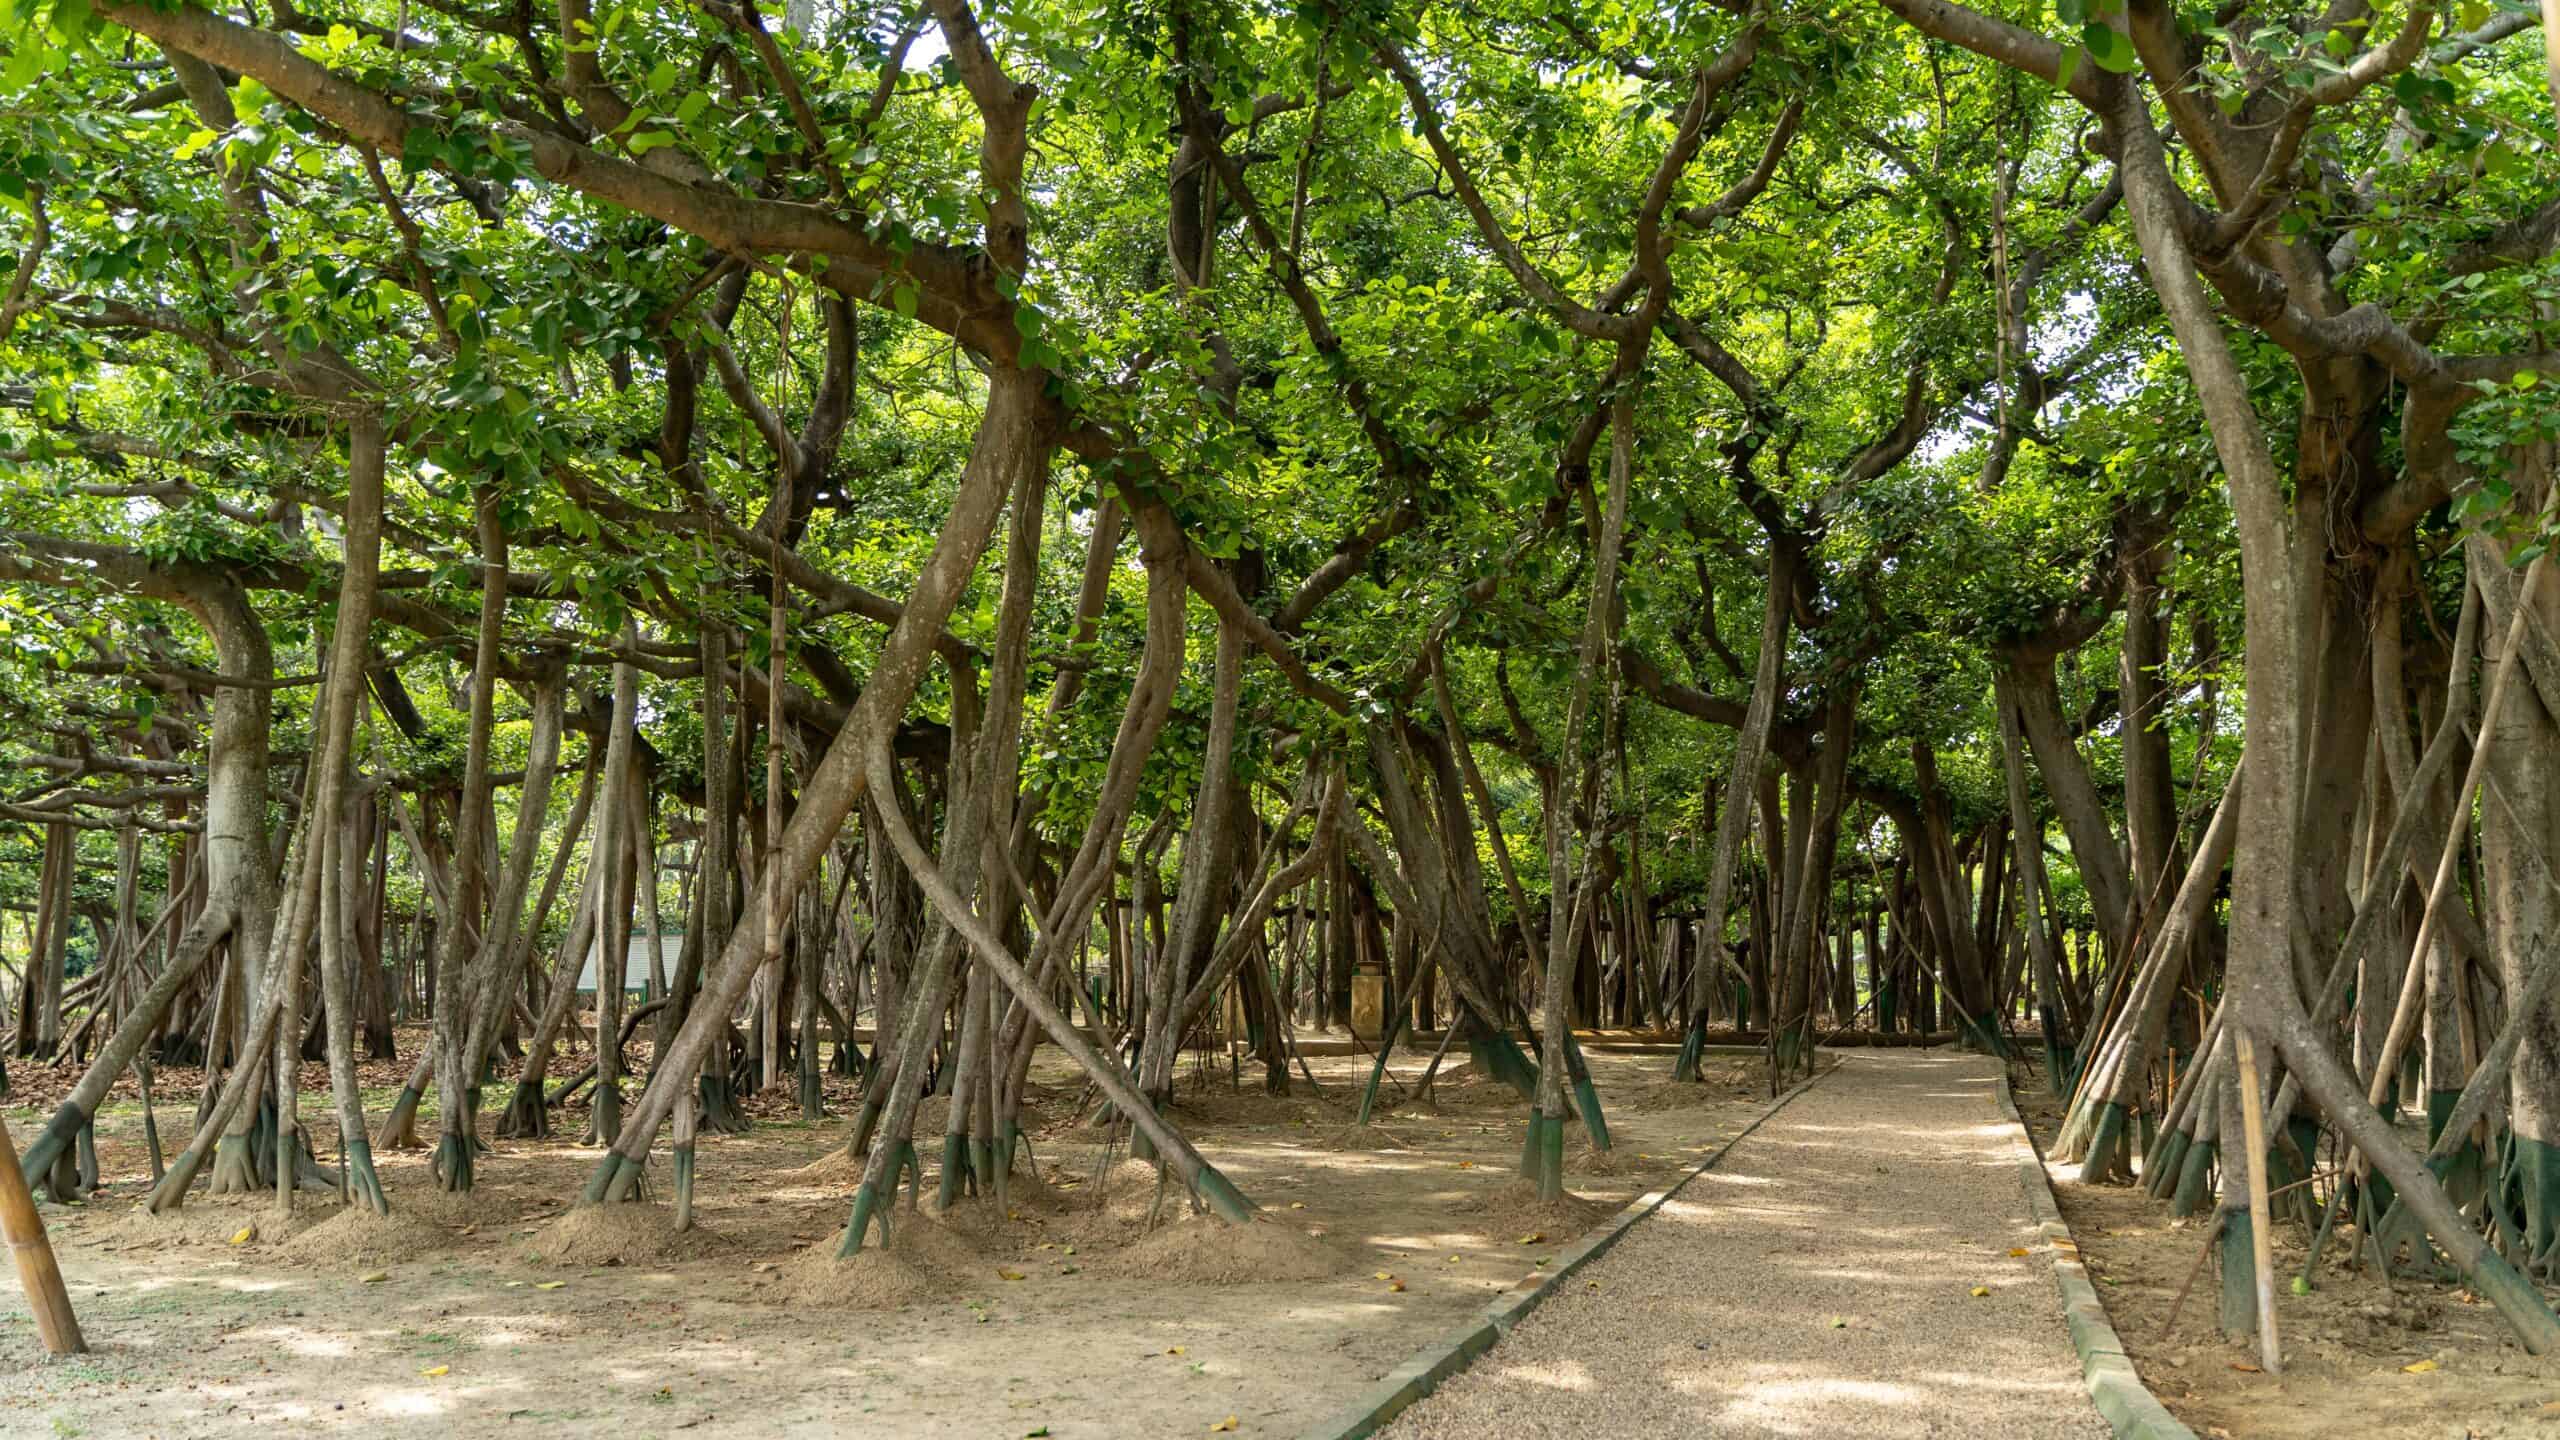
<point>37,1272</point>
<point>2253,1125</point>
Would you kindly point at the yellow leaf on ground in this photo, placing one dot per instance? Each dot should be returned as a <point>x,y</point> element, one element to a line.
<point>1533,1238</point>
<point>247,1233</point>
<point>432,1371</point>
<point>376,1277</point>
<point>1396,1285</point>
<point>1008,1274</point>
<point>2016,1251</point>
<point>1227,1424</point>
<point>1454,1259</point>
<point>1981,1290</point>
<point>550,1284</point>
<point>2420,1368</point>
<point>1297,1204</point>
<point>1380,1275</point>
<point>1176,1350</point>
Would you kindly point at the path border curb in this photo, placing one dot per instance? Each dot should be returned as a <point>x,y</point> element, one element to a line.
<point>1423,1371</point>
<point>2114,1387</point>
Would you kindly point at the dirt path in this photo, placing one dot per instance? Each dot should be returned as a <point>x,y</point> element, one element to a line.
<point>1821,1281</point>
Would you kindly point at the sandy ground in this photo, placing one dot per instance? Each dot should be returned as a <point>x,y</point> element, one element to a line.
<point>2347,1344</point>
<point>1862,1265</point>
<point>1072,1318</point>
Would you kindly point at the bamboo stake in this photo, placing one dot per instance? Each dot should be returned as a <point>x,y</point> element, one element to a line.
<point>2253,1125</point>
<point>47,1296</point>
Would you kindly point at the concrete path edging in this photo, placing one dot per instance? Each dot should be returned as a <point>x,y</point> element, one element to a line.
<point>2126,1403</point>
<point>1425,1369</point>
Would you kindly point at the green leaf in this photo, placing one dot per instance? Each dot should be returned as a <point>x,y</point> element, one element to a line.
<point>2109,48</point>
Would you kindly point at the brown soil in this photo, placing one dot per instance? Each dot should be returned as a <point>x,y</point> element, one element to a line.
<point>1591,1160</point>
<point>356,1238</point>
<point>629,1234</point>
<point>471,1334</point>
<point>1515,1209</point>
<point>1204,1251</point>
<point>2348,1345</point>
<point>1362,1137</point>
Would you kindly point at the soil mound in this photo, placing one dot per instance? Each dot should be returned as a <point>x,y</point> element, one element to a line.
<point>200,1225</point>
<point>1201,1250</point>
<point>625,1234</point>
<point>1591,1160</point>
<point>921,1260</point>
<point>356,1238</point>
<point>1365,1138</point>
<point>1127,1193</point>
<point>1515,1209</point>
<point>837,1168</point>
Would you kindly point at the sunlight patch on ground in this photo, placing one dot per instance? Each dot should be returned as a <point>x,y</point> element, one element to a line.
<point>1568,1375</point>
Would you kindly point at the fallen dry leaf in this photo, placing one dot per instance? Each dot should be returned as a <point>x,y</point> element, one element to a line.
<point>1227,1424</point>
<point>1008,1274</point>
<point>375,1277</point>
<point>1981,1290</point>
<point>1533,1238</point>
<point>432,1371</point>
<point>247,1233</point>
<point>2017,1250</point>
<point>2244,1367</point>
<point>550,1284</point>
<point>2419,1368</point>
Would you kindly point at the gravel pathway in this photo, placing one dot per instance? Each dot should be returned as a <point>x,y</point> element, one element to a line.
<point>1819,1282</point>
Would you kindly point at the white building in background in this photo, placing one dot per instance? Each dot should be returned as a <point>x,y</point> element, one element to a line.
<point>635,970</point>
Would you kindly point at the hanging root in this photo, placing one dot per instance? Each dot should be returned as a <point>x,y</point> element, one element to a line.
<point>720,1112</point>
<point>58,1134</point>
<point>400,1127</point>
<point>525,1118</point>
<point>1693,1047</point>
<point>2103,1161</point>
<point>362,1177</point>
<point>453,1162</point>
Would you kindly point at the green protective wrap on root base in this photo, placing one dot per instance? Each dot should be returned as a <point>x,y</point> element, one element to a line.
<point>955,1168</point>
<point>866,1201</point>
<point>2537,1164</point>
<point>2190,1196</point>
<point>1586,1097</point>
<point>2463,1174</point>
<point>452,1163</point>
<point>1692,1047</point>
<point>603,1182</point>
<point>2239,1277</point>
<point>2103,1158</point>
<point>56,1136</point>
<point>2160,1167</point>
<point>1550,1157</point>
<point>1225,1200</point>
<point>1499,1056</point>
<point>2516,1299</point>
